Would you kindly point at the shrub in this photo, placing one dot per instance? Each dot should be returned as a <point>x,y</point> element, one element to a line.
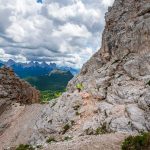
<point>24,147</point>
<point>139,142</point>
<point>57,94</point>
<point>79,86</point>
<point>77,113</point>
<point>51,139</point>
<point>49,95</point>
<point>98,131</point>
<point>101,130</point>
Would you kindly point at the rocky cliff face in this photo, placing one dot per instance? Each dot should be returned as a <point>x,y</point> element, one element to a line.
<point>116,81</point>
<point>114,84</point>
<point>14,89</point>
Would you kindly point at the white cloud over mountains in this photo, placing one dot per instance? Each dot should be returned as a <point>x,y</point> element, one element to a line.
<point>63,31</point>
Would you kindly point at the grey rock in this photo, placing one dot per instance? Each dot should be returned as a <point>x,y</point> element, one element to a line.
<point>116,81</point>
<point>115,78</point>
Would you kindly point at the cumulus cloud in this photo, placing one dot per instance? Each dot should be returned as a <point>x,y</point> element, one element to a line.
<point>18,58</point>
<point>66,32</point>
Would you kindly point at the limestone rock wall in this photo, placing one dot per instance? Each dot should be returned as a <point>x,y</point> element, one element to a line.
<point>127,29</point>
<point>115,94</point>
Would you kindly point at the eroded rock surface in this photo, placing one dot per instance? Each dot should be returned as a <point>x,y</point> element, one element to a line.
<point>100,142</point>
<point>18,124</point>
<point>13,88</point>
<point>116,81</point>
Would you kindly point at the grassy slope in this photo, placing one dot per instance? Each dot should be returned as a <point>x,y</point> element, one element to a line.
<point>51,86</point>
<point>54,82</point>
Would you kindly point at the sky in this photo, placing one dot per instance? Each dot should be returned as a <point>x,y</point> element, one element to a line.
<point>66,32</point>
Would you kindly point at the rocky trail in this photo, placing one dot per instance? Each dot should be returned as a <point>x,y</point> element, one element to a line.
<point>19,124</point>
<point>100,142</point>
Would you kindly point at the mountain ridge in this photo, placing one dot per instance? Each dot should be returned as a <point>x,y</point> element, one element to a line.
<point>35,68</point>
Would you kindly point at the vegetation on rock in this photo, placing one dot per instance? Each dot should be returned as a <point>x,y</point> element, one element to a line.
<point>66,128</point>
<point>77,113</point>
<point>98,131</point>
<point>51,139</point>
<point>79,86</point>
<point>48,95</point>
<point>67,138</point>
<point>139,142</point>
<point>101,130</point>
<point>24,147</point>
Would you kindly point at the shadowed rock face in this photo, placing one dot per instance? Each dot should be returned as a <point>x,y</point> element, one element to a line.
<point>116,96</point>
<point>14,89</point>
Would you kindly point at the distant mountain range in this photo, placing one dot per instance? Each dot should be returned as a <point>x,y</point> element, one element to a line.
<point>43,76</point>
<point>25,70</point>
